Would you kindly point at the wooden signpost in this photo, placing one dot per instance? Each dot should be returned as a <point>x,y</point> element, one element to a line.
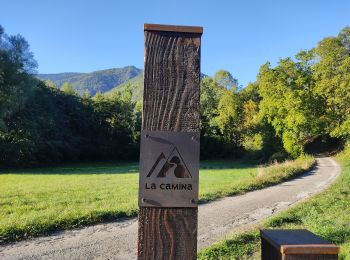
<point>169,159</point>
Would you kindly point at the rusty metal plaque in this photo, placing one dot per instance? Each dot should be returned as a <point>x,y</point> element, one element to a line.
<point>169,169</point>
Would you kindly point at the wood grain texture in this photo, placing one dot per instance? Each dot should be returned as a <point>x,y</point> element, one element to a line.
<point>167,233</point>
<point>171,90</point>
<point>310,257</point>
<point>171,103</point>
<point>310,249</point>
<point>295,245</point>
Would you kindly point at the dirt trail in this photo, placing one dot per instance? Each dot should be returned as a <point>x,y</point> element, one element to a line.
<point>118,240</point>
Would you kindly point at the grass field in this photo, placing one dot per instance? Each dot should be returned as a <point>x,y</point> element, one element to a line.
<point>38,201</point>
<point>326,214</point>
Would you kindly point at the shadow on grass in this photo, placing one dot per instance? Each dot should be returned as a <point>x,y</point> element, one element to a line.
<point>88,168</point>
<point>226,164</point>
<point>115,168</point>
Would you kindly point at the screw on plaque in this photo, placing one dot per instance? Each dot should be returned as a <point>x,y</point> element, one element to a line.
<point>146,135</point>
<point>193,201</point>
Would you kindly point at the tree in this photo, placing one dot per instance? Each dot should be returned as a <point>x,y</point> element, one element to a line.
<point>18,51</point>
<point>228,117</point>
<point>67,88</point>
<point>332,77</point>
<point>50,84</point>
<point>86,94</point>
<point>226,80</point>
<point>210,96</point>
<point>288,104</point>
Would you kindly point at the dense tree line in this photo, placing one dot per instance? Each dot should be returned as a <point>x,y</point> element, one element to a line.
<point>290,106</point>
<point>296,103</point>
<point>40,124</point>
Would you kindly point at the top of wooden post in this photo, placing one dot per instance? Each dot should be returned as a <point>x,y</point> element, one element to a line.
<point>173,28</point>
<point>298,241</point>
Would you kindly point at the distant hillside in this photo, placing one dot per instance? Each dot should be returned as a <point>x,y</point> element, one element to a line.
<point>136,85</point>
<point>97,81</point>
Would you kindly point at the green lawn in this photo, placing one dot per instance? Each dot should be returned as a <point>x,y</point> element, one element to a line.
<point>38,201</point>
<point>326,214</point>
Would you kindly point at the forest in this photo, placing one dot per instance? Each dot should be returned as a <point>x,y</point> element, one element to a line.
<point>299,106</point>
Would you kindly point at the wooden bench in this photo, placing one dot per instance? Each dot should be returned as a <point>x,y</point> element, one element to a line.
<point>295,245</point>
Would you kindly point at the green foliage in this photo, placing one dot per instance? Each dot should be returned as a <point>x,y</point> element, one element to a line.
<point>86,95</point>
<point>288,103</point>
<point>226,80</point>
<point>253,143</point>
<point>67,88</point>
<point>290,106</point>
<point>332,76</point>
<point>49,84</point>
<point>40,124</point>
<point>134,84</point>
<point>309,97</point>
<point>227,118</point>
<point>210,96</point>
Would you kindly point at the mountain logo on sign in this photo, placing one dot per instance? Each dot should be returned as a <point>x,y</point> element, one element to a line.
<point>173,164</point>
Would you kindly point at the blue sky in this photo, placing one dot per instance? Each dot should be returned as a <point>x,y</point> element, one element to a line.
<point>239,36</point>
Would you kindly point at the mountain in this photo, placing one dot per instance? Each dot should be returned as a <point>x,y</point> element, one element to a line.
<point>107,81</point>
<point>135,84</point>
<point>97,81</point>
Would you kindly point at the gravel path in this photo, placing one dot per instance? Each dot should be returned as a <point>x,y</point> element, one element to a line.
<point>118,240</point>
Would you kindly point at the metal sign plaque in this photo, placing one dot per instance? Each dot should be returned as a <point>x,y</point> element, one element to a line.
<point>169,168</point>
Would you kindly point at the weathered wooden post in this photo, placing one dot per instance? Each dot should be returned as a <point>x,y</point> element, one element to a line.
<point>169,158</point>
